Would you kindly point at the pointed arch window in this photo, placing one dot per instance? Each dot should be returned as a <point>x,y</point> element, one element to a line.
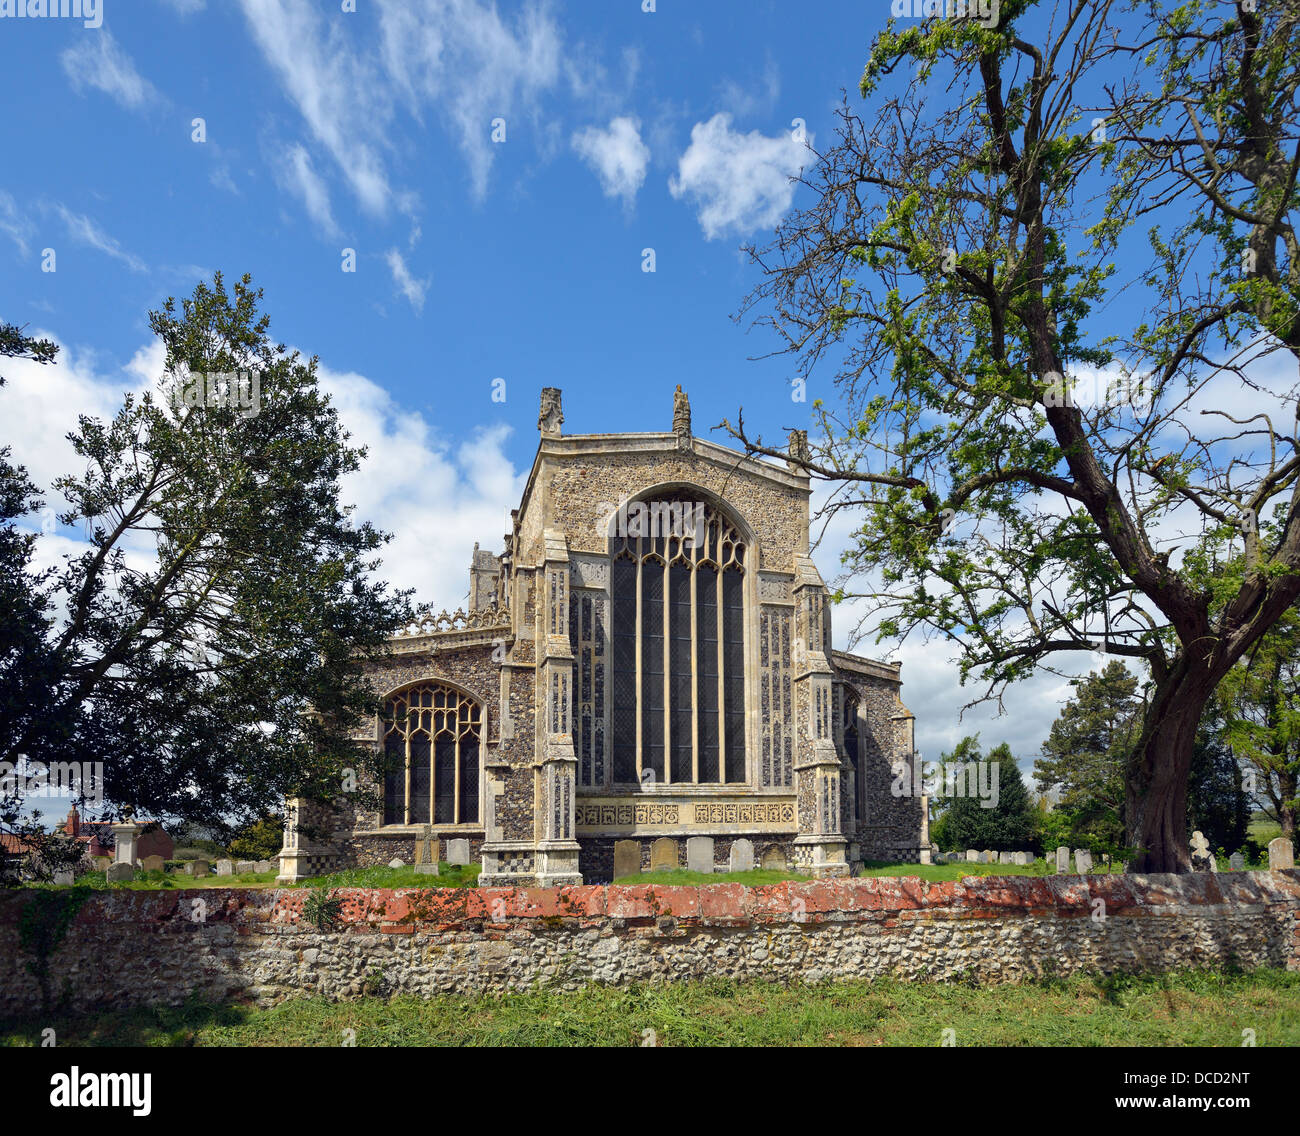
<point>677,639</point>
<point>432,736</point>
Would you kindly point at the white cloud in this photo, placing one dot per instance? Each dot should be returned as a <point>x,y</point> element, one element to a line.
<point>186,7</point>
<point>333,87</point>
<point>617,155</point>
<point>297,175</point>
<point>98,61</point>
<point>85,231</point>
<point>407,284</point>
<point>437,496</point>
<point>740,182</point>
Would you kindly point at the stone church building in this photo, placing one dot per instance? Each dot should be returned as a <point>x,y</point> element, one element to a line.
<point>644,677</point>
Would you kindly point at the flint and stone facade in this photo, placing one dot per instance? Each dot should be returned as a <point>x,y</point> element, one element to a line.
<point>648,660</point>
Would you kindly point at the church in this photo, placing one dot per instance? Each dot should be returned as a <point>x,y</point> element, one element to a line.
<point>643,678</point>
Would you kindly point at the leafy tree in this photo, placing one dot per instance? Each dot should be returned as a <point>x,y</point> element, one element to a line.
<point>954,270</point>
<point>1011,825</point>
<point>260,840</point>
<point>28,666</point>
<point>224,667</point>
<point>1217,804</point>
<point>1082,761</point>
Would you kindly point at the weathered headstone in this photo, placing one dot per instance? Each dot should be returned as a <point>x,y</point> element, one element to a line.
<point>972,857</point>
<point>428,848</point>
<point>1280,854</point>
<point>774,859</point>
<point>1202,857</point>
<point>627,858</point>
<point>981,857</point>
<point>1237,862</point>
<point>120,873</point>
<point>1027,859</point>
<point>1062,861</point>
<point>64,877</point>
<point>225,867</point>
<point>396,862</point>
<point>153,864</point>
<point>1004,858</point>
<point>699,854</point>
<point>426,870</point>
<point>266,866</point>
<point>1082,862</point>
<point>244,867</point>
<point>458,851</point>
<point>197,868</point>
<point>664,855</point>
<point>742,855</point>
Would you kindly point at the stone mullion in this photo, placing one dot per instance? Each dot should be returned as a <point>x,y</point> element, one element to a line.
<point>695,698</point>
<point>665,607</point>
<point>640,732</point>
<point>722,675</point>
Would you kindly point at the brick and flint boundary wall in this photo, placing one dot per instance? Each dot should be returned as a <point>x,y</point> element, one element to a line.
<point>136,948</point>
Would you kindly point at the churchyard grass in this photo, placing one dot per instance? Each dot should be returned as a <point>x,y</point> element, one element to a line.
<point>449,875</point>
<point>1177,1009</point>
<point>682,877</point>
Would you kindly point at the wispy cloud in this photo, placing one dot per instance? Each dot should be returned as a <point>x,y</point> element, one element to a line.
<point>297,174</point>
<point>618,156</point>
<point>85,231</point>
<point>740,182</point>
<point>413,289</point>
<point>334,88</point>
<point>14,223</point>
<point>99,62</point>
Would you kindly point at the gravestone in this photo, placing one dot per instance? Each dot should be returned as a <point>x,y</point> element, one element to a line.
<point>1237,862</point>
<point>972,857</point>
<point>225,867</point>
<point>774,859</point>
<point>990,857</point>
<point>120,873</point>
<point>1027,859</point>
<point>197,868</point>
<point>64,877</point>
<point>699,854</point>
<point>1202,857</point>
<point>428,849</point>
<point>663,855</point>
<point>1280,854</point>
<point>1082,862</point>
<point>627,858</point>
<point>396,863</point>
<point>153,864</point>
<point>742,855</point>
<point>266,866</point>
<point>1004,858</point>
<point>458,851</point>
<point>1062,861</point>
<point>426,869</point>
<point>243,867</point>
<point>981,857</point>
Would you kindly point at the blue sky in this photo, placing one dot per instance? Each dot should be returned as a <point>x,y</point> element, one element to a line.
<point>522,259</point>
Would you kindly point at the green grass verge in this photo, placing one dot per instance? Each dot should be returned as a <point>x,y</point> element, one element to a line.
<point>449,875</point>
<point>1187,1008</point>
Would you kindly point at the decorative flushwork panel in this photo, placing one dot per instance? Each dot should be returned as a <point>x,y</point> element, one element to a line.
<point>776,704</point>
<point>588,638</point>
<point>774,589</point>
<point>779,814</point>
<point>590,571</point>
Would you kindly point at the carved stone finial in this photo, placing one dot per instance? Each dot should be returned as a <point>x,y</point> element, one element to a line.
<point>551,417</point>
<point>681,415</point>
<point>798,450</point>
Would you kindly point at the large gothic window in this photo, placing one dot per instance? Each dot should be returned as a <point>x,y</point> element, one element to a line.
<point>677,641</point>
<point>431,746</point>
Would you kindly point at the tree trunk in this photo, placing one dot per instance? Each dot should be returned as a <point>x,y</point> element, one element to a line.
<point>1156,793</point>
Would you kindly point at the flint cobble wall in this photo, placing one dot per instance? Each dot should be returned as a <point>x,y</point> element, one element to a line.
<point>134,948</point>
